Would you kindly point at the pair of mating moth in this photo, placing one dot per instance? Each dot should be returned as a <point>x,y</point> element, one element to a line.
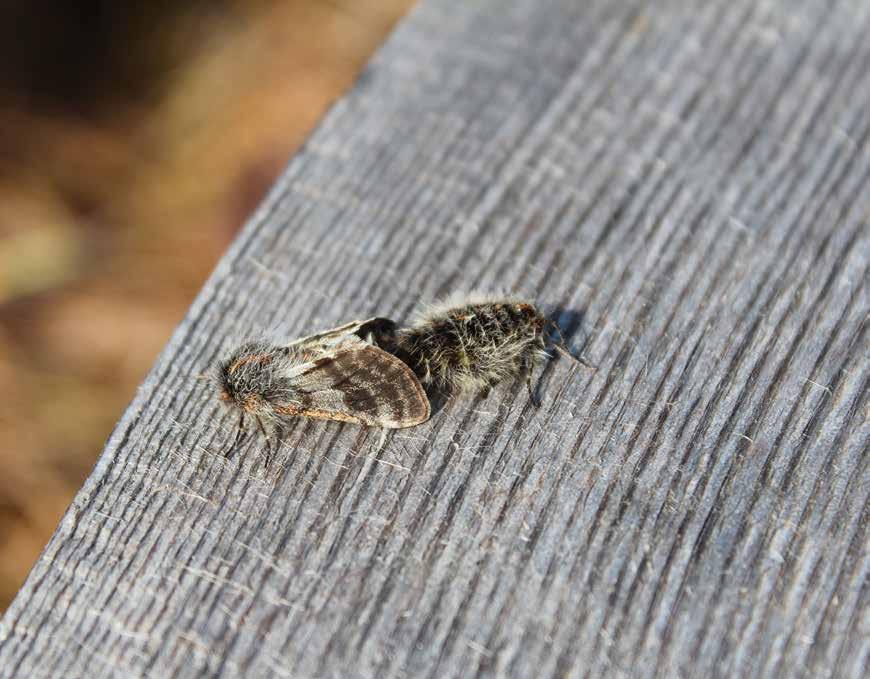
<point>373,372</point>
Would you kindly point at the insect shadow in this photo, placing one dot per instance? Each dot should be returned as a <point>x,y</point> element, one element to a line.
<point>566,324</point>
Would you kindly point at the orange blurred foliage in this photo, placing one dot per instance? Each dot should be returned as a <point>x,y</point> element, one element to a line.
<point>116,202</point>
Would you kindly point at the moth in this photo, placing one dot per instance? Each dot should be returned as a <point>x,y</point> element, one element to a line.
<point>471,342</point>
<point>338,374</point>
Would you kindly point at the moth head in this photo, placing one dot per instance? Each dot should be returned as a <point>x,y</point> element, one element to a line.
<point>250,377</point>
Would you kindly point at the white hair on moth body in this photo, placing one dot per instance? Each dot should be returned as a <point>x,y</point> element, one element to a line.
<point>471,342</point>
<point>456,300</point>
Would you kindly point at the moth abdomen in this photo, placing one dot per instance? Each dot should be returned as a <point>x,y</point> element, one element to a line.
<point>472,343</point>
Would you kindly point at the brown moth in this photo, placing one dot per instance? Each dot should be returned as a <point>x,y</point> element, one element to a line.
<point>471,342</point>
<point>338,374</point>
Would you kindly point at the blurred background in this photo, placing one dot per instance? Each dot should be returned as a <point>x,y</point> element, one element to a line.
<point>135,138</point>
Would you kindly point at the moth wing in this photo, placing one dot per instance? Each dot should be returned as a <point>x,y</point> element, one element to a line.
<point>371,330</point>
<point>359,383</point>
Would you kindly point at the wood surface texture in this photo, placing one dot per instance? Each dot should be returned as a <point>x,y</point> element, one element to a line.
<point>684,187</point>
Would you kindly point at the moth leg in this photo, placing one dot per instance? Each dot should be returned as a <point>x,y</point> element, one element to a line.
<point>534,399</point>
<point>426,377</point>
<point>240,429</point>
<point>527,367</point>
<point>268,443</point>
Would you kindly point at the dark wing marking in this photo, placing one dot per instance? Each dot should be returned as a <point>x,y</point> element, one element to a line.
<point>359,383</point>
<point>371,330</point>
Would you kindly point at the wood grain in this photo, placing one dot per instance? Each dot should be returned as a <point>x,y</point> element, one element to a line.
<point>684,187</point>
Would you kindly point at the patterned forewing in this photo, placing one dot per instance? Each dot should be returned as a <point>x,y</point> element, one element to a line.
<point>361,383</point>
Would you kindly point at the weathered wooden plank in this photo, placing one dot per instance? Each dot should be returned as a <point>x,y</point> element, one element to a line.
<point>684,186</point>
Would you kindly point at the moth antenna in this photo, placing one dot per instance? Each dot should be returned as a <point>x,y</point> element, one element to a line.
<point>577,359</point>
<point>562,347</point>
